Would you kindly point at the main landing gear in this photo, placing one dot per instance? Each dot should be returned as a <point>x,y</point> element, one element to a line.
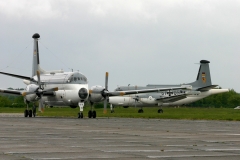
<point>160,111</point>
<point>112,108</point>
<point>140,110</point>
<point>30,113</point>
<point>92,113</point>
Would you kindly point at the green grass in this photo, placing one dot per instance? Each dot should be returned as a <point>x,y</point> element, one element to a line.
<point>169,113</point>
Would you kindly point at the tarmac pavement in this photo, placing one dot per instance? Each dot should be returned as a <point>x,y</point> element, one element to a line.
<point>43,138</point>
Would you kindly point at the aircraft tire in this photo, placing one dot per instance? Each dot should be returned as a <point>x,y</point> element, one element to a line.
<point>90,114</point>
<point>34,111</point>
<point>26,113</point>
<point>94,115</point>
<point>160,111</point>
<point>79,115</point>
<point>30,113</point>
<point>140,111</point>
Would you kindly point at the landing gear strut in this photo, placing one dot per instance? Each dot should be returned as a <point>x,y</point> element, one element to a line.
<point>92,113</point>
<point>81,105</point>
<point>30,113</point>
<point>34,110</point>
<point>112,108</point>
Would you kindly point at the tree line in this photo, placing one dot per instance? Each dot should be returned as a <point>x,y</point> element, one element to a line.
<point>229,99</point>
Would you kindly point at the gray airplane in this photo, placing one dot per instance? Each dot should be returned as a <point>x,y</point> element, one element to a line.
<point>59,88</point>
<point>201,88</point>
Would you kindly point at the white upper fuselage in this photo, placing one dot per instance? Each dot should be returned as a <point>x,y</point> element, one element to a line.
<point>151,100</point>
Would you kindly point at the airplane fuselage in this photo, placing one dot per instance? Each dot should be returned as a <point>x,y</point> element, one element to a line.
<point>69,85</point>
<point>150,99</point>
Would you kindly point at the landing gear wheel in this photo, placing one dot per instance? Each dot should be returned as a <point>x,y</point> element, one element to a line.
<point>140,111</point>
<point>112,111</point>
<point>160,111</point>
<point>80,115</point>
<point>26,113</point>
<point>34,111</point>
<point>30,113</point>
<point>94,114</point>
<point>90,114</point>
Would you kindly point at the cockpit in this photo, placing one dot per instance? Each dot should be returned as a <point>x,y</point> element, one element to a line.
<point>77,78</point>
<point>66,77</point>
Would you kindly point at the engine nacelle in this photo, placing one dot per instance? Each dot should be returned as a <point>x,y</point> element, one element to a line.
<point>31,88</point>
<point>96,94</point>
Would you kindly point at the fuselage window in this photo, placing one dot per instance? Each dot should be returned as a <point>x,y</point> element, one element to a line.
<point>75,78</point>
<point>78,78</point>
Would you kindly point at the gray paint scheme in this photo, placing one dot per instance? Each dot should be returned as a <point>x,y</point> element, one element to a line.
<point>204,72</point>
<point>201,88</point>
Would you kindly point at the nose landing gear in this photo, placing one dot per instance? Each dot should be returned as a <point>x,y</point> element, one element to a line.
<point>81,105</point>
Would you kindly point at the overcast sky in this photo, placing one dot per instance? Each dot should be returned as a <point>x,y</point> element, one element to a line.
<point>138,42</point>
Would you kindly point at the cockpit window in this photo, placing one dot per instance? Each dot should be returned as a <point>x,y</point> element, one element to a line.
<point>77,79</point>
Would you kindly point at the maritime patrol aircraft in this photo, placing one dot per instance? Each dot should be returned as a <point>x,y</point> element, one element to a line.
<point>201,88</point>
<point>59,88</point>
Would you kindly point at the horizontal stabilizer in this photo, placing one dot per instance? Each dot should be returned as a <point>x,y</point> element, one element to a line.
<point>172,98</point>
<point>207,88</point>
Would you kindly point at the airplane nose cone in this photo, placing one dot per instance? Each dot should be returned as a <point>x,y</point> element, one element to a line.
<point>83,93</point>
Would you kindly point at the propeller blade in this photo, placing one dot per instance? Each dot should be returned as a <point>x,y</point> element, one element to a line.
<point>39,81</point>
<point>27,93</point>
<point>106,81</point>
<point>135,103</point>
<point>40,105</point>
<point>136,100</point>
<point>106,94</point>
<point>105,106</point>
<point>51,89</point>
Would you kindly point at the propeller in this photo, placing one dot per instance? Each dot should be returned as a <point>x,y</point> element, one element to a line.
<point>40,105</point>
<point>136,100</point>
<point>39,92</point>
<point>106,93</point>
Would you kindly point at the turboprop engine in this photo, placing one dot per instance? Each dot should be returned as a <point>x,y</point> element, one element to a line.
<point>96,94</point>
<point>32,88</point>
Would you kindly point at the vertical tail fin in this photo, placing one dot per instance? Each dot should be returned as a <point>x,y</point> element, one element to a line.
<point>204,76</point>
<point>36,60</point>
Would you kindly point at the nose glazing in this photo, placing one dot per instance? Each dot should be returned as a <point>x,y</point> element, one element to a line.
<point>83,93</point>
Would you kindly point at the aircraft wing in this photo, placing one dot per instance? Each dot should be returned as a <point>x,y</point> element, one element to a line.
<point>122,93</point>
<point>172,98</point>
<point>15,92</point>
<point>18,76</point>
<point>207,88</point>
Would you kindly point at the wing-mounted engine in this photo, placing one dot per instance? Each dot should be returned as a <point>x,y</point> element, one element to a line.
<point>35,92</point>
<point>32,88</point>
<point>96,94</point>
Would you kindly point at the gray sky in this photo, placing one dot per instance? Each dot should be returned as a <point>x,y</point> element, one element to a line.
<point>138,42</point>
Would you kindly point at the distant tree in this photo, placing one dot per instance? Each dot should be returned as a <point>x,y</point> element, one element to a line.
<point>229,99</point>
